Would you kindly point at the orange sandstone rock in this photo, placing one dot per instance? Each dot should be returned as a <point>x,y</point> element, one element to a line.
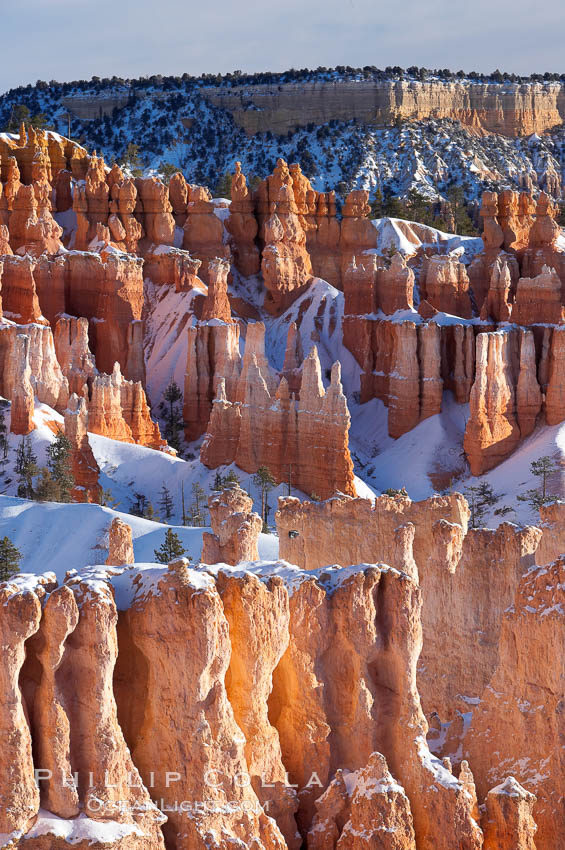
<point>235,529</point>
<point>492,431</point>
<point>444,284</point>
<point>19,796</point>
<point>508,823</point>
<point>242,226</point>
<point>157,211</point>
<point>51,727</point>
<point>515,730</point>
<point>85,468</point>
<point>285,263</point>
<point>73,354</point>
<point>120,543</point>
<point>258,619</point>
<point>188,702</point>
<point>216,303</point>
<point>203,230</point>
<point>362,810</point>
<point>21,411</point>
<point>497,302</point>
<point>19,293</point>
<point>538,299</point>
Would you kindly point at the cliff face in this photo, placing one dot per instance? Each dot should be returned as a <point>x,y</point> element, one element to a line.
<point>510,110</point>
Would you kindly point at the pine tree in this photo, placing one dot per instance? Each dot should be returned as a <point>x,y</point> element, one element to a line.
<point>165,502</point>
<point>174,422</point>
<point>171,548</point>
<point>138,505</point>
<point>223,187</point>
<point>4,445</point>
<point>10,558</point>
<point>481,497</point>
<point>265,481</point>
<point>184,517</point>
<point>26,468</point>
<point>57,479</point>
<point>197,509</point>
<point>542,468</point>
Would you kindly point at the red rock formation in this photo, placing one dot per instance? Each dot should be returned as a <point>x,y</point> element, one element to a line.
<point>445,285</point>
<point>508,823</point>
<point>293,359</point>
<point>323,237</point>
<point>21,411</point>
<point>258,619</point>
<point>212,355</point>
<point>51,728</point>
<point>21,612</point>
<point>32,228</point>
<point>517,727</point>
<point>496,305</point>
<point>135,410</point>
<point>552,543</point>
<point>19,293</point>
<point>157,211</point>
<point>357,232</point>
<point>363,809</point>
<point>308,437</point>
<point>368,287</point>
<point>85,469</point>
<point>555,392</point>
<point>189,703</point>
<point>235,529</point>
<point>492,431</point>
<point>285,261</point>
<point>362,708</point>
<point>99,751</point>
<point>446,556</point>
<point>108,291</point>
<point>96,193</point>
<point>73,354</point>
<point>538,300</point>
<point>118,409</point>
<point>241,224</point>
<point>216,304</point>
<point>178,196</point>
<point>203,230</point>
<point>172,267</point>
<point>120,544</point>
<point>59,153</point>
<point>125,228</point>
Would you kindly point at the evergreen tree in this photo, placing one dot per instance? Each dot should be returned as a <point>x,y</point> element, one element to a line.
<point>57,482</point>
<point>481,497</point>
<point>197,509</point>
<point>170,549</point>
<point>138,505</point>
<point>542,468</point>
<point>4,445</point>
<point>10,558</point>
<point>132,159</point>
<point>165,502</point>
<point>26,468</point>
<point>172,411</point>
<point>265,481</point>
<point>223,187</point>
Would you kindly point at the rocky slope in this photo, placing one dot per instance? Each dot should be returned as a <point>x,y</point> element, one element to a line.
<point>356,693</point>
<point>391,134</point>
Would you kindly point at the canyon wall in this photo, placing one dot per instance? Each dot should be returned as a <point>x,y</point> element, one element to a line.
<point>509,109</point>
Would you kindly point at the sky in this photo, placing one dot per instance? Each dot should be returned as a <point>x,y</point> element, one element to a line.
<point>75,39</point>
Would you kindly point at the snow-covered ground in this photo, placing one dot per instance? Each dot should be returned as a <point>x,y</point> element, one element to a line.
<point>56,537</point>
